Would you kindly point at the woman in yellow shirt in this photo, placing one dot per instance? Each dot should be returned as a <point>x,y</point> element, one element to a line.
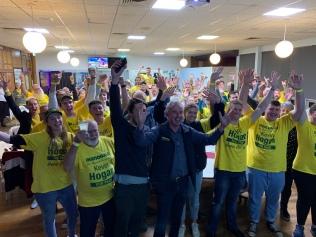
<point>304,172</point>
<point>50,182</point>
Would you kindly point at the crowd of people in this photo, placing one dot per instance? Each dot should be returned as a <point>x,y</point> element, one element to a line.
<point>101,150</point>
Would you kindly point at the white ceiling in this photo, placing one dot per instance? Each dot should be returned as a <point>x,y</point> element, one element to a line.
<point>99,27</point>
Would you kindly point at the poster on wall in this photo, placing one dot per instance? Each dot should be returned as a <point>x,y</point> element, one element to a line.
<point>44,77</point>
<point>17,72</point>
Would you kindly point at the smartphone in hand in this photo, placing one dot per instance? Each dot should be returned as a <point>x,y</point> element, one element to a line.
<point>123,63</point>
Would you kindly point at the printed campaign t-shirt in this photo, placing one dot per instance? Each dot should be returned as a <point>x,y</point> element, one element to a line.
<point>94,171</point>
<point>231,152</point>
<point>72,123</point>
<point>105,128</point>
<point>305,160</point>
<point>267,141</point>
<point>48,170</point>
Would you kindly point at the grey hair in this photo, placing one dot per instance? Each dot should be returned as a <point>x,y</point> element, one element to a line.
<point>172,104</point>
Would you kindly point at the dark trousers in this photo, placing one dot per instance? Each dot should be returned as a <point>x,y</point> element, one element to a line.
<point>287,190</point>
<point>171,197</point>
<point>306,196</point>
<point>130,202</point>
<point>89,218</point>
<point>4,111</point>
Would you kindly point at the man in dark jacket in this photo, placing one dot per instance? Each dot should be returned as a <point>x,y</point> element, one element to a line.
<point>173,162</point>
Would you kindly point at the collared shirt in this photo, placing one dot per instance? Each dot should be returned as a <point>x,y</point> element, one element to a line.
<point>180,165</point>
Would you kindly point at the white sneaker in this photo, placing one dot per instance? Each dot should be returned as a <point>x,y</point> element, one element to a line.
<point>181,231</point>
<point>195,230</point>
<point>34,204</point>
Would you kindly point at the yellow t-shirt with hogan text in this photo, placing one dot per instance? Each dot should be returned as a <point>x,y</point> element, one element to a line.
<point>231,148</point>
<point>267,142</point>
<point>305,160</point>
<point>94,168</point>
<point>48,170</point>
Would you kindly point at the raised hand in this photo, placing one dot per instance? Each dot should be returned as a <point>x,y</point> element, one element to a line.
<point>274,80</point>
<point>296,81</point>
<point>115,76</point>
<point>161,83</point>
<point>224,120</point>
<point>211,97</point>
<point>56,79</point>
<point>216,74</point>
<point>168,93</point>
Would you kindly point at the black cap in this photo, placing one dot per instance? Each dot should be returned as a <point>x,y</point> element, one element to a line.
<point>65,97</point>
<point>52,111</point>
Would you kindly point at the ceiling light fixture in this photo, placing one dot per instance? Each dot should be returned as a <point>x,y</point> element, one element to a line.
<point>33,40</point>
<point>136,37</point>
<point>207,37</point>
<point>74,62</point>
<point>123,50</point>
<point>63,56</point>
<point>215,58</point>
<point>172,49</point>
<point>169,4</point>
<point>284,11</point>
<point>159,53</point>
<point>284,48</point>
<point>183,61</point>
<point>39,30</point>
<point>61,47</point>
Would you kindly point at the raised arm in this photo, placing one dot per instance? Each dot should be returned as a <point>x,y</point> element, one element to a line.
<point>296,82</point>
<point>124,94</point>
<point>245,78</point>
<point>92,88</point>
<point>274,80</point>
<point>53,102</point>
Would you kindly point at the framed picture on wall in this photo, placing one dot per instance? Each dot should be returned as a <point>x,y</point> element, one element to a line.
<point>17,72</point>
<point>309,102</point>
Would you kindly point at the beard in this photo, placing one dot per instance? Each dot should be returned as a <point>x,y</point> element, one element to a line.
<point>92,142</point>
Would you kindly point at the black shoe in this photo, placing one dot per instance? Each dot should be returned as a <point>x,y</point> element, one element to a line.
<point>285,215</point>
<point>236,232</point>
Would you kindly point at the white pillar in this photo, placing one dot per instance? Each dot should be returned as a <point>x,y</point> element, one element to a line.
<point>258,60</point>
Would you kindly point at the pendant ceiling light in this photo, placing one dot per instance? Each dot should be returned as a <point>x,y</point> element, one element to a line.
<point>183,61</point>
<point>215,58</point>
<point>34,41</point>
<point>63,56</point>
<point>284,48</point>
<point>74,62</point>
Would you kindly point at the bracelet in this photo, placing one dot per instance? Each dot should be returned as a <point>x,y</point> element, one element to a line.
<point>299,90</point>
<point>75,144</point>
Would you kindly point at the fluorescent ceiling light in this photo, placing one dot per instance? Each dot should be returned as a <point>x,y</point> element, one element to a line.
<point>159,53</point>
<point>172,49</point>
<point>136,37</point>
<point>169,4</point>
<point>123,50</point>
<point>61,47</point>
<point>207,37</point>
<point>39,30</point>
<point>284,11</point>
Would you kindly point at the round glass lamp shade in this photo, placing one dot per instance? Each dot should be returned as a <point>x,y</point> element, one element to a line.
<point>183,62</point>
<point>63,56</point>
<point>284,49</point>
<point>215,58</point>
<point>74,62</point>
<point>34,42</point>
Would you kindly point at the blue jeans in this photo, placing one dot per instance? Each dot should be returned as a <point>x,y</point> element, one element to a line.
<point>89,218</point>
<point>226,191</point>
<point>270,183</point>
<point>47,203</point>
<point>171,196</point>
<point>193,201</point>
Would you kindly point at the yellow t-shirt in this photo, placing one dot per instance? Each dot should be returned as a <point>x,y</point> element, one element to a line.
<point>72,123</point>
<point>94,171</point>
<point>305,160</point>
<point>78,104</point>
<point>35,120</point>
<point>48,170</point>
<point>42,99</point>
<point>205,114</point>
<point>231,152</point>
<point>133,89</point>
<point>150,80</point>
<point>105,128</point>
<point>267,143</point>
<point>38,127</point>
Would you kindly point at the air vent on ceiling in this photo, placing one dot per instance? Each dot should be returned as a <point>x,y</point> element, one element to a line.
<point>131,1</point>
<point>118,33</point>
<point>253,38</point>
